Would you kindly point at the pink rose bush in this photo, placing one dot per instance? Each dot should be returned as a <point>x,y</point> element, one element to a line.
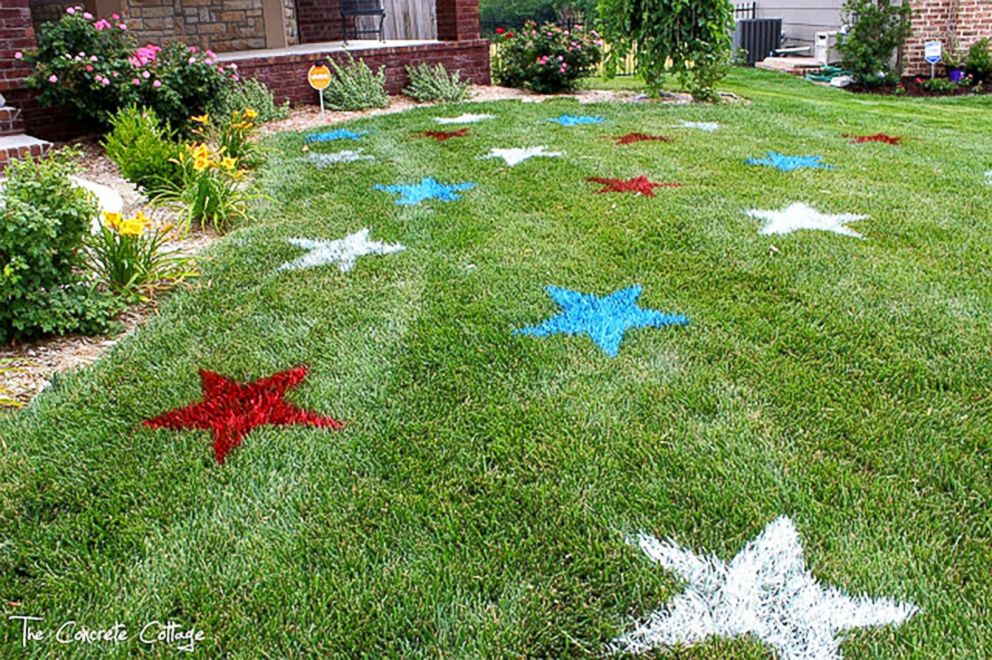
<point>546,58</point>
<point>95,66</point>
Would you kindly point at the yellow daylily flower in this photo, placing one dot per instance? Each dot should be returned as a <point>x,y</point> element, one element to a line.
<point>689,64</point>
<point>201,119</point>
<point>200,164</point>
<point>250,113</point>
<point>112,220</point>
<point>131,227</point>
<point>229,163</point>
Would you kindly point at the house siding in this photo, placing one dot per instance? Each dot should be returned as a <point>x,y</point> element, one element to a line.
<point>802,20</point>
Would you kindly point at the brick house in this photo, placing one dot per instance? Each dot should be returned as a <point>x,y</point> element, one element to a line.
<point>275,41</point>
<point>963,21</point>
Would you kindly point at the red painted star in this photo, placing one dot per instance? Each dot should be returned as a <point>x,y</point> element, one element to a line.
<point>639,184</point>
<point>630,138</point>
<point>231,410</point>
<point>877,137</point>
<point>441,136</point>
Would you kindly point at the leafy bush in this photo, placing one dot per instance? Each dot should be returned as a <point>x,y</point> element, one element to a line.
<point>128,255</point>
<point>248,94</point>
<point>546,58</point>
<point>879,27</point>
<point>434,83</point>
<point>979,61</point>
<point>42,224</point>
<point>143,149</point>
<point>687,40</point>
<point>355,87</point>
<point>94,67</point>
<point>210,191</point>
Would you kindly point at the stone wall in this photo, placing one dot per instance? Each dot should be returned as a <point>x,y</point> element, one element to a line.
<point>963,21</point>
<point>220,25</point>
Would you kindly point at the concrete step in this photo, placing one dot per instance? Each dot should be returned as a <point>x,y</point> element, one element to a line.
<point>21,146</point>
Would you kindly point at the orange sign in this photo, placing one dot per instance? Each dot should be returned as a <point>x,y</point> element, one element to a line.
<point>319,77</point>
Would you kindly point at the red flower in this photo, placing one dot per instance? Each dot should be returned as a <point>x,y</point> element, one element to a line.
<point>509,35</point>
<point>500,30</point>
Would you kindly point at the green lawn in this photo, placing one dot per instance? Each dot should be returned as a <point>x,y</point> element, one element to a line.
<point>478,500</point>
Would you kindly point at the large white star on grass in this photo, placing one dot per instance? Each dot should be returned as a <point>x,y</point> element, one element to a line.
<point>343,252</point>
<point>765,591</point>
<point>798,216</point>
<point>467,118</point>
<point>516,156</point>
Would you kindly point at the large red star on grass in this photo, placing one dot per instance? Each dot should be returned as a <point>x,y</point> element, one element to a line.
<point>630,138</point>
<point>231,409</point>
<point>877,137</point>
<point>441,136</point>
<point>639,184</point>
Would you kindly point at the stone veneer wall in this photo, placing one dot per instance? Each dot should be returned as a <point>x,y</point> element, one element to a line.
<point>221,25</point>
<point>967,21</point>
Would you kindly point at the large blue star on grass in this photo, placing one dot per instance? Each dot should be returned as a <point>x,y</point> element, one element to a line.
<point>603,319</point>
<point>576,120</point>
<point>789,163</point>
<point>428,188</point>
<point>339,134</point>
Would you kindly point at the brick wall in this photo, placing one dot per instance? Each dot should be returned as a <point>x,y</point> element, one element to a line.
<point>16,34</point>
<point>286,75</point>
<point>457,20</point>
<point>964,21</point>
<point>319,20</point>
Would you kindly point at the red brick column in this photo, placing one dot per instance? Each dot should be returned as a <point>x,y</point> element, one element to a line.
<point>16,34</point>
<point>457,20</point>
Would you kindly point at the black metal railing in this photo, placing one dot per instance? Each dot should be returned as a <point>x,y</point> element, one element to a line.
<point>743,11</point>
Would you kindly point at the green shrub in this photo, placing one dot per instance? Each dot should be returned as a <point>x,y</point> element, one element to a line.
<point>94,67</point>
<point>143,149</point>
<point>355,87</point>
<point>546,58</point>
<point>689,41</point>
<point>979,61</point>
<point>42,224</point>
<point>879,28</point>
<point>434,83</point>
<point>248,94</point>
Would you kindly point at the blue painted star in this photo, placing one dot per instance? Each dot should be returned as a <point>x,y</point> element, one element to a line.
<point>576,120</point>
<point>789,163</point>
<point>428,188</point>
<point>602,319</point>
<point>339,134</point>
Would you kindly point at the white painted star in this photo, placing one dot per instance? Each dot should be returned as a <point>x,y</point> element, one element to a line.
<point>765,591</point>
<point>708,126</point>
<point>516,156</point>
<point>343,252</point>
<point>467,118</point>
<point>346,156</point>
<point>800,216</point>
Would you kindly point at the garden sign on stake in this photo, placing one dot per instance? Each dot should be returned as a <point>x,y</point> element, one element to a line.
<point>933,54</point>
<point>319,77</point>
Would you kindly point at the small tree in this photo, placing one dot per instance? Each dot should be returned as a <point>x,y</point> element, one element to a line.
<point>690,40</point>
<point>877,29</point>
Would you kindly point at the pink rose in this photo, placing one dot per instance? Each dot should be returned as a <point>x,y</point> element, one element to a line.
<point>116,17</point>
<point>122,26</point>
<point>53,78</point>
<point>235,78</point>
<point>70,10</point>
<point>135,82</point>
<point>93,58</point>
<point>88,16</point>
<point>102,24</point>
<point>146,75</point>
<point>18,55</point>
<point>89,67</point>
<point>157,84</point>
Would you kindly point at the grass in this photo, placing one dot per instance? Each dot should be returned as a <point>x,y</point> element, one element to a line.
<point>478,500</point>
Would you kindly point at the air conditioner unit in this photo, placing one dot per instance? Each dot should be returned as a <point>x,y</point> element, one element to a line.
<point>757,37</point>
<point>825,48</point>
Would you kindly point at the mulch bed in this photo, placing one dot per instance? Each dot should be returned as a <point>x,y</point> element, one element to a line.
<point>914,88</point>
